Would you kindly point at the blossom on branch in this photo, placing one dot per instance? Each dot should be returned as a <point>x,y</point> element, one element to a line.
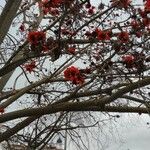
<point>51,3</point>
<point>30,66</point>
<point>102,35</point>
<point>123,36</point>
<point>36,37</point>
<point>73,74</point>
<point>128,60</point>
<point>147,6</point>
<point>71,50</point>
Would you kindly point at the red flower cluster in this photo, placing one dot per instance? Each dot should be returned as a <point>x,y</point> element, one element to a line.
<point>146,22</point>
<point>135,24</point>
<point>143,13</point>
<point>128,60</point>
<point>121,3</point>
<point>91,11</point>
<point>90,8</point>
<point>71,50</point>
<point>135,60</point>
<point>51,3</point>
<point>54,12</point>
<point>147,6</point>
<point>123,36</point>
<point>136,27</point>
<point>36,37</point>
<point>50,6</point>
<point>73,74</point>
<point>102,35</point>
<point>30,66</point>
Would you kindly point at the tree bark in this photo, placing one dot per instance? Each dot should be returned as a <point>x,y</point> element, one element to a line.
<point>7,17</point>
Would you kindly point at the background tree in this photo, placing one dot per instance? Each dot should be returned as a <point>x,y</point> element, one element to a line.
<point>70,61</point>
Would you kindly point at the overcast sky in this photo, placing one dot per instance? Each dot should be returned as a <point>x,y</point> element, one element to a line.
<point>133,131</point>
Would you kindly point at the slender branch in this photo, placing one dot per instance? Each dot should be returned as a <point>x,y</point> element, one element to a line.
<point>11,131</point>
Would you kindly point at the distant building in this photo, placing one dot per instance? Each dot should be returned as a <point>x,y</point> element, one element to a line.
<point>24,147</point>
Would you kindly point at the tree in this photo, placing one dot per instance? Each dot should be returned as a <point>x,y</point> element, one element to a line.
<point>72,60</point>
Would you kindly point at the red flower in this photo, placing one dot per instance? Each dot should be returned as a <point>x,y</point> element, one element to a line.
<point>35,37</point>
<point>71,50</point>
<point>45,11</point>
<point>56,3</point>
<point>123,37</point>
<point>91,11</point>
<point>30,67</point>
<point>51,3</point>
<point>128,60</point>
<point>142,13</point>
<point>2,110</point>
<point>138,34</point>
<point>135,24</point>
<point>88,5</point>
<point>102,35</point>
<point>54,12</point>
<point>147,6</point>
<point>146,22</point>
<point>73,74</point>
